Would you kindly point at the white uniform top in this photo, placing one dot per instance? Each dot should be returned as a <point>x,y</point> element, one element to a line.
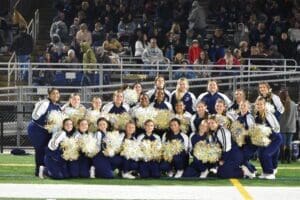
<point>107,107</point>
<point>58,137</point>
<point>40,109</point>
<point>275,126</point>
<point>185,140</point>
<point>224,137</point>
<point>135,111</point>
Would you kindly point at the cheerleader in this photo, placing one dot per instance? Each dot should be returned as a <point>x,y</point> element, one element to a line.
<point>268,156</point>
<point>197,168</point>
<point>94,113</point>
<point>137,86</point>
<point>117,106</point>
<point>104,165</point>
<point>239,96</point>
<point>247,120</point>
<point>159,85</point>
<point>149,169</point>
<point>143,108</point>
<point>73,104</point>
<point>212,95</point>
<point>179,161</point>
<point>129,166</point>
<point>38,135</point>
<point>182,94</point>
<point>160,102</point>
<point>225,118</point>
<point>183,116</point>
<point>56,166</point>
<point>274,103</point>
<point>200,115</point>
<point>232,156</point>
<point>81,167</point>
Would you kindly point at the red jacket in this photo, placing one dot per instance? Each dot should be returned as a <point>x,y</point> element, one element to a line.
<point>222,61</point>
<point>194,54</point>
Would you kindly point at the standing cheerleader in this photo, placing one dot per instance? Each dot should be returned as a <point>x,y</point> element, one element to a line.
<point>104,165</point>
<point>180,160</point>
<point>38,135</point>
<point>137,86</point>
<point>74,105</point>
<point>232,156</point>
<point>268,155</point>
<point>149,168</point>
<point>200,115</point>
<point>274,104</point>
<point>130,166</point>
<point>182,94</point>
<point>94,113</point>
<point>160,101</point>
<point>212,95</point>
<point>57,167</point>
<point>160,84</point>
<point>247,120</point>
<point>197,168</point>
<point>117,106</point>
<point>81,167</point>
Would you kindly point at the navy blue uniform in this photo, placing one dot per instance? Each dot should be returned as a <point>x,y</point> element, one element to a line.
<point>211,99</point>
<point>188,99</point>
<point>38,135</point>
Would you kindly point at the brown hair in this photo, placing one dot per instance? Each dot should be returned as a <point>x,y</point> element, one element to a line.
<point>285,99</point>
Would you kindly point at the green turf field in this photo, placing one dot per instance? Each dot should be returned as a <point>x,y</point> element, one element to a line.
<point>19,169</point>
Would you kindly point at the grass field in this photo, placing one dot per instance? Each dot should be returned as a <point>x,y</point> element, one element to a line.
<point>19,169</point>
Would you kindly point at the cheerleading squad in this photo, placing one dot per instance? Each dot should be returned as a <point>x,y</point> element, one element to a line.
<point>163,134</point>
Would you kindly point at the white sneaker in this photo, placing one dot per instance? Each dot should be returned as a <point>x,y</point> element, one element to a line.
<point>267,176</point>
<point>41,172</point>
<point>275,171</point>
<point>247,172</point>
<point>170,174</point>
<point>178,174</point>
<point>92,172</point>
<point>128,175</point>
<point>213,170</point>
<point>204,174</point>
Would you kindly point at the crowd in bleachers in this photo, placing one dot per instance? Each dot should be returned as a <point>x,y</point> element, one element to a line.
<point>268,29</point>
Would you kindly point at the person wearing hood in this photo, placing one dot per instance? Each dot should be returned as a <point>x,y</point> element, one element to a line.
<point>88,58</point>
<point>241,34</point>
<point>197,18</point>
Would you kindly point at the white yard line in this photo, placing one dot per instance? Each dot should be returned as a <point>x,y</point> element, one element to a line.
<point>116,192</point>
<point>143,192</point>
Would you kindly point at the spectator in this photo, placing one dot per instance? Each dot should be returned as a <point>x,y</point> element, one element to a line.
<point>98,35</point>
<point>217,45</point>
<point>111,44</point>
<point>194,52</point>
<point>60,28</point>
<point>57,45</point>
<point>88,58</point>
<point>285,46</point>
<point>190,35</point>
<point>140,45</point>
<point>197,18</point>
<point>204,61</point>
<point>152,54</point>
<point>241,34</point>
<point>23,46</point>
<point>228,62</point>
<point>294,32</point>
<point>71,58</point>
<point>83,35</point>
<point>74,28</point>
<point>287,125</point>
<point>245,52</point>
<point>185,70</point>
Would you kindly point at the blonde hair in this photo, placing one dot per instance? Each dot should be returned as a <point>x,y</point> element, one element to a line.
<point>179,94</point>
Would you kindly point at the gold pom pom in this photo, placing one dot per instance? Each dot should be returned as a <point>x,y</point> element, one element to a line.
<point>259,135</point>
<point>119,121</point>
<point>55,121</point>
<point>70,148</point>
<point>113,141</point>
<point>88,145</point>
<point>152,150</point>
<point>172,148</point>
<point>131,150</point>
<point>238,133</point>
<point>207,152</point>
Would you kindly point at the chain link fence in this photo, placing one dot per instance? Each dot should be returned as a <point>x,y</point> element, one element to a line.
<point>13,129</point>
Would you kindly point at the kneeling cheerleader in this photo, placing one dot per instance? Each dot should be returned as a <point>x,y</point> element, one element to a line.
<point>107,160</point>
<point>131,152</point>
<point>62,149</point>
<point>151,148</point>
<point>198,168</point>
<point>270,143</point>
<point>232,157</point>
<point>175,150</point>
